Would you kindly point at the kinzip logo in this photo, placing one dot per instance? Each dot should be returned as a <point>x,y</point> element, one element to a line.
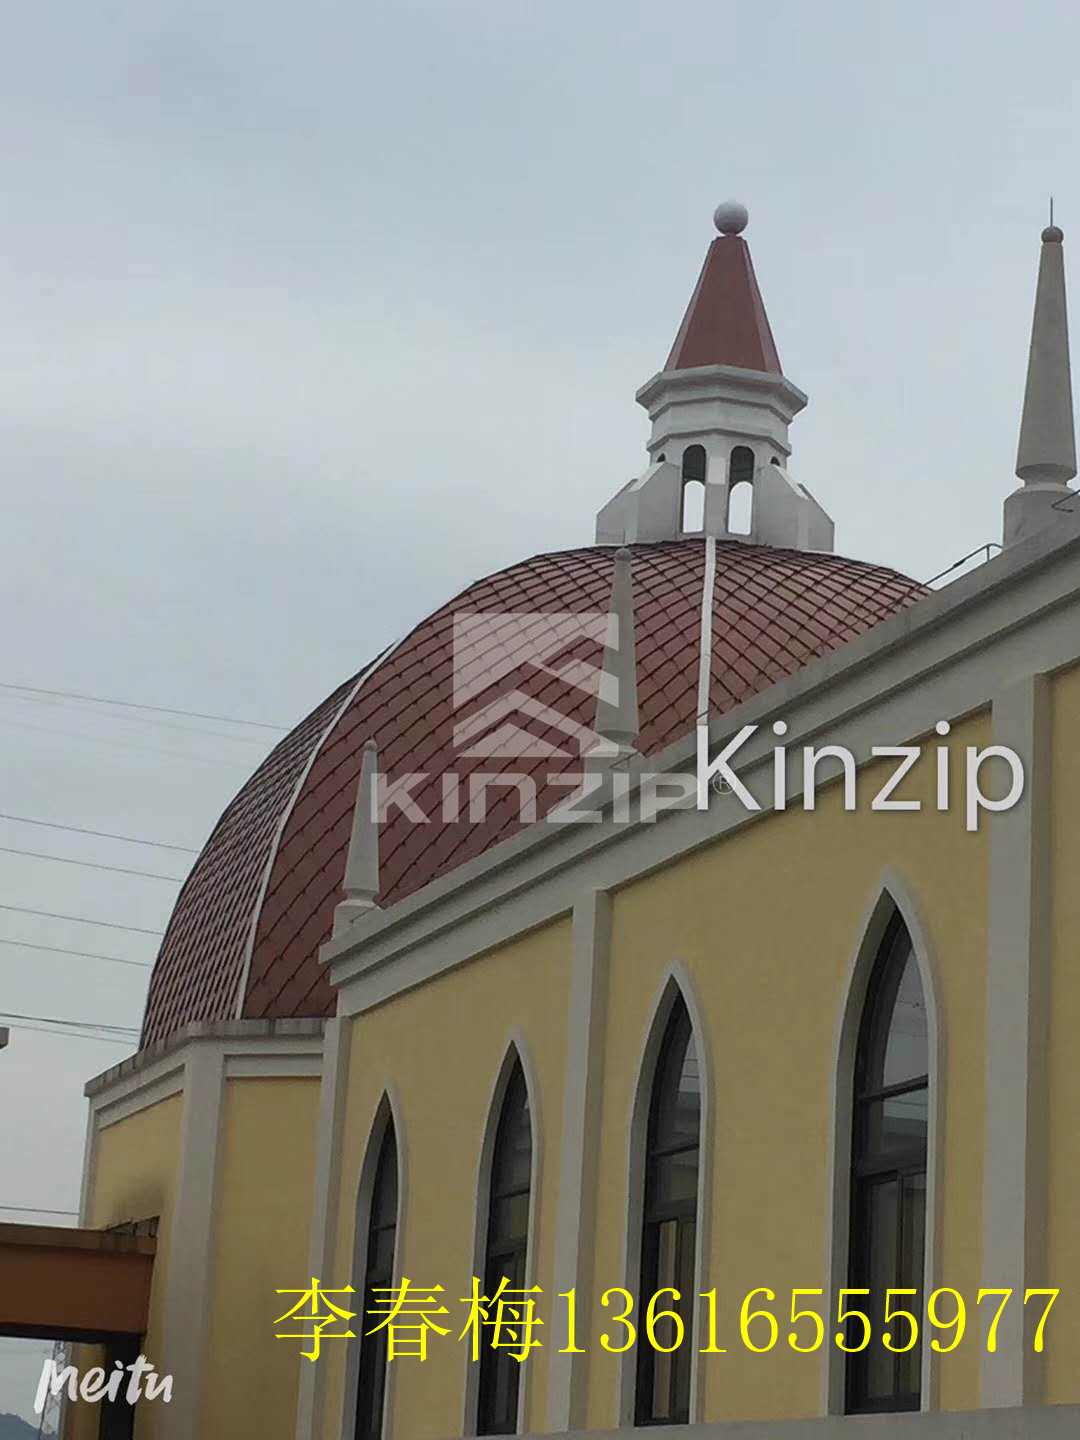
<point>490,648</point>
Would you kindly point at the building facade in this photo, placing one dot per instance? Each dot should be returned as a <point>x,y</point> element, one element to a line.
<point>691,916</point>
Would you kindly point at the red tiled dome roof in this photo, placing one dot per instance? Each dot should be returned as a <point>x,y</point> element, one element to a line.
<point>245,934</point>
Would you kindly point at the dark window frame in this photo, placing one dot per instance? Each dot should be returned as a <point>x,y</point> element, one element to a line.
<point>742,465</point>
<point>655,1216</point>
<point>695,465</point>
<point>371,1377</point>
<point>499,1382</point>
<point>876,1167</point>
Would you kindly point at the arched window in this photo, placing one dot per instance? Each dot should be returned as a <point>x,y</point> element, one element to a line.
<point>741,467</point>
<point>693,489</point>
<point>888,1197</point>
<point>506,1251</point>
<point>740,490</point>
<point>378,1274</point>
<point>669,1222</point>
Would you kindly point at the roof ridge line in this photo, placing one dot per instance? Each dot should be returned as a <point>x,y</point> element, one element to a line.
<point>286,815</point>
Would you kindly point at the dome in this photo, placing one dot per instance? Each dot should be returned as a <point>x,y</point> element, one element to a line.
<point>244,937</point>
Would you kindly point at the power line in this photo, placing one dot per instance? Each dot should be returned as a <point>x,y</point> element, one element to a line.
<point>71,1024</point>
<point>84,709</point>
<point>127,745</point>
<point>90,864</point>
<point>134,705</point>
<point>98,834</point>
<point>82,954</point>
<point>75,1035</point>
<point>81,920</point>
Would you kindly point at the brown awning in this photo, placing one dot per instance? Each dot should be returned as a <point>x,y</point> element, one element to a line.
<point>73,1284</point>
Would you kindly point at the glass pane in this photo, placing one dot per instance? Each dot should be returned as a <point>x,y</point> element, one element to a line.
<point>513,1144</point>
<point>684,1283</point>
<point>662,1368</point>
<point>384,1196</point>
<point>677,1106</point>
<point>684,1279</point>
<point>509,1218</point>
<point>379,1268</point>
<point>664,1379</point>
<point>674,1178</point>
<point>906,1051</point>
<point>667,1240</point>
<point>666,1278</point>
<point>498,1401</point>
<point>380,1258</point>
<point>893,1046</point>
<point>895,1126</point>
<point>883,1213</point>
<point>510,1267</point>
<point>499,1371</point>
<point>372,1382</point>
<point>912,1251</point>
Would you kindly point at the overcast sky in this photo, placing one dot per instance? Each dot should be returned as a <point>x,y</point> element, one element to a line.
<point>309,315</point>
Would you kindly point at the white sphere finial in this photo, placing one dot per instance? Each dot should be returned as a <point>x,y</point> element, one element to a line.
<point>730,217</point>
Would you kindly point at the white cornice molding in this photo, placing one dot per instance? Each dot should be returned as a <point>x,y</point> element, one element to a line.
<point>942,658</point>
<point>728,381</point>
<point>248,1047</point>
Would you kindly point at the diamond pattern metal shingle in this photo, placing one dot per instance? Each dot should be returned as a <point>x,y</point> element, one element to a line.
<point>262,893</point>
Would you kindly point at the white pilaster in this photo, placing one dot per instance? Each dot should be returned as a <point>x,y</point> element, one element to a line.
<point>324,1210</point>
<point>575,1215</point>
<point>1017,1012</point>
<point>188,1275</point>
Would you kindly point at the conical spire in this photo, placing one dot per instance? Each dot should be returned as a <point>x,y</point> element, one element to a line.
<point>725,322</point>
<point>616,704</point>
<point>361,884</point>
<point>1047,449</point>
<point>1046,454</point>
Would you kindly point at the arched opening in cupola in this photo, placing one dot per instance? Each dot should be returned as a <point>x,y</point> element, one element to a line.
<point>692,519</point>
<point>740,491</point>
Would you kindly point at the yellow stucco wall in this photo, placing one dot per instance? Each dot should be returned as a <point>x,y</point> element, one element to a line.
<point>1062,1335</point>
<point>134,1178</point>
<point>441,1047</point>
<point>261,1244</point>
<point>766,924</point>
<point>261,1237</point>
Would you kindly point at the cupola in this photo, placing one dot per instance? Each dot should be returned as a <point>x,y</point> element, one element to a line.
<point>720,410</point>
